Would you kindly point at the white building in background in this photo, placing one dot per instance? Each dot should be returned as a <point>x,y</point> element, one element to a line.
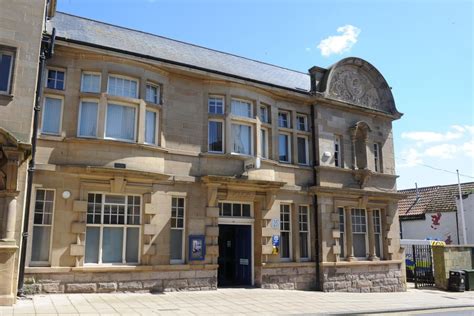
<point>433,213</point>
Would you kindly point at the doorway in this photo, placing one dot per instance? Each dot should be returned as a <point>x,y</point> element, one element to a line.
<point>235,255</point>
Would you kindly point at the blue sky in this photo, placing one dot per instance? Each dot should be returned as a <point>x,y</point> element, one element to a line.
<point>424,49</point>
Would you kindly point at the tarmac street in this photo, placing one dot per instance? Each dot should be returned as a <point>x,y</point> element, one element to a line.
<point>238,301</point>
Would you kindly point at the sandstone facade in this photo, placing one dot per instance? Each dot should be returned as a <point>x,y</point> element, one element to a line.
<point>163,157</point>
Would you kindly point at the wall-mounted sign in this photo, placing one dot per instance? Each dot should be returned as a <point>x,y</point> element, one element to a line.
<point>276,240</point>
<point>275,223</point>
<point>275,244</point>
<point>244,261</point>
<point>197,247</point>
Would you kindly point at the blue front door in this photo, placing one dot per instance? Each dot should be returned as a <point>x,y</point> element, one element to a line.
<point>235,255</point>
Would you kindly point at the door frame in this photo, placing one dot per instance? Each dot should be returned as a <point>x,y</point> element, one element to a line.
<point>249,222</point>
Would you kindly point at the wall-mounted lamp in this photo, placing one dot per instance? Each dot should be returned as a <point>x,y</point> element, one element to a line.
<point>66,195</point>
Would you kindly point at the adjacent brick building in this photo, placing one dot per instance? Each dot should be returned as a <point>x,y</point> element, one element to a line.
<point>166,166</point>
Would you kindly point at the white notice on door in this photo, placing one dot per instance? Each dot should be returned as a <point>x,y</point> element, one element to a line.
<point>244,262</point>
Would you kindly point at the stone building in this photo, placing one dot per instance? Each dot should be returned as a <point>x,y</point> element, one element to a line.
<point>21,25</point>
<point>165,166</point>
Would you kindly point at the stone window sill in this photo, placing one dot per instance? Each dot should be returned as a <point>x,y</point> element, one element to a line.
<point>5,99</point>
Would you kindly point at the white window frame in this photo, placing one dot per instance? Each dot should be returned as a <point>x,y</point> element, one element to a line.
<point>265,153</point>
<point>366,233</point>
<point>158,89</point>
<point>47,77</point>
<point>377,158</point>
<point>183,231</point>
<point>216,97</point>
<point>157,119</point>
<point>337,152</point>
<point>290,237</point>
<point>264,118</point>
<point>235,122</point>
<point>305,119</point>
<point>93,74</point>
<point>306,151</point>
<point>32,211</point>
<point>223,136</point>
<point>79,117</point>
<point>288,119</point>
<point>308,231</point>
<point>51,96</point>
<point>135,123</point>
<point>10,71</point>
<point>242,101</point>
<point>126,78</point>
<point>288,147</point>
<point>124,226</point>
<point>221,213</point>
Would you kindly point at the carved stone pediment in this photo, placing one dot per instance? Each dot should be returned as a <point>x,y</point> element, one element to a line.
<point>351,85</point>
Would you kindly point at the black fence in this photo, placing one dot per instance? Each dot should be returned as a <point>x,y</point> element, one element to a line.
<point>421,270</point>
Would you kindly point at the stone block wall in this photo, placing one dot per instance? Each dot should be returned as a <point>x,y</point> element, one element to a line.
<point>364,278</point>
<point>106,282</point>
<point>289,277</point>
<point>451,258</point>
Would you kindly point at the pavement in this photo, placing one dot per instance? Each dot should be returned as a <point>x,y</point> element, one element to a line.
<point>247,302</point>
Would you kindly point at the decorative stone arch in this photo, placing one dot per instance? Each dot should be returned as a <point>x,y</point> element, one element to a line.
<point>355,81</point>
<point>359,138</point>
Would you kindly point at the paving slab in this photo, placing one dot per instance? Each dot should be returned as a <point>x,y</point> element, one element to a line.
<point>239,302</point>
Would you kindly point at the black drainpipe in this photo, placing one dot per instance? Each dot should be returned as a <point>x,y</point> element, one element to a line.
<point>46,52</point>
<point>317,255</point>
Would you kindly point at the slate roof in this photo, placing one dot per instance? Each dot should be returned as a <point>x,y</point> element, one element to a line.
<point>99,34</point>
<point>440,198</point>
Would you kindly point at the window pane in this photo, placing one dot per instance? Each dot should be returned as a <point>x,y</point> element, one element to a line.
<point>176,244</point>
<point>377,245</point>
<point>241,108</point>
<point>152,94</point>
<point>52,115</point>
<point>263,143</point>
<point>132,245</point>
<point>88,123</point>
<point>241,137</point>
<point>90,83</point>
<point>92,245</point>
<point>283,148</point>
<point>216,105</point>
<point>283,120</point>
<point>359,245</point>
<point>41,242</point>
<point>112,245</point>
<point>302,151</point>
<point>150,127</point>
<point>227,209</point>
<point>304,245</point>
<point>122,87</point>
<point>120,122</point>
<point>236,210</point>
<point>215,136</point>
<point>246,210</point>
<point>285,244</point>
<point>5,72</point>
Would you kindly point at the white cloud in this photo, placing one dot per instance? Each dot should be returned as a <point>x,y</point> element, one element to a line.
<point>443,151</point>
<point>307,49</point>
<point>434,137</point>
<point>410,158</point>
<point>468,148</point>
<point>338,44</point>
